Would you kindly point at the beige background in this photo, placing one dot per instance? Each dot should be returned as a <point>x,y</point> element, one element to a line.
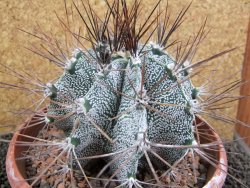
<point>228,20</point>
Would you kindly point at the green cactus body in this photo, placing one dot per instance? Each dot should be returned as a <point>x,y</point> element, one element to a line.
<point>173,124</point>
<point>101,104</point>
<point>114,116</point>
<point>129,126</point>
<point>71,86</point>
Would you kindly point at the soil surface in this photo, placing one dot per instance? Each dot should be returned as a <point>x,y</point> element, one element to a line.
<point>190,172</point>
<point>237,160</point>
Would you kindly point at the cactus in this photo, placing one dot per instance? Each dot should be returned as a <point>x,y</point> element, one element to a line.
<point>110,121</point>
<point>125,100</point>
<point>118,104</point>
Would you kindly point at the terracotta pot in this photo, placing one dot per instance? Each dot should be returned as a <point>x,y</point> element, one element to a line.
<point>16,168</point>
<point>216,175</point>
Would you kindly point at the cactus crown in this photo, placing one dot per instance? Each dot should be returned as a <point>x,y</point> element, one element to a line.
<point>125,100</point>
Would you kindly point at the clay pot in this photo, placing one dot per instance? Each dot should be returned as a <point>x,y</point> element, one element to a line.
<point>16,168</point>
<point>216,175</point>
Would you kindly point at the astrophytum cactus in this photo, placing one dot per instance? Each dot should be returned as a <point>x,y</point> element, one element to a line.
<point>125,103</point>
<point>126,100</point>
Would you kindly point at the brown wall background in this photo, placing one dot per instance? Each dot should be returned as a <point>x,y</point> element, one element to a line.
<point>228,20</point>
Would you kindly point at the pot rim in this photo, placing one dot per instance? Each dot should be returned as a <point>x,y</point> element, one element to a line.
<point>16,170</point>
